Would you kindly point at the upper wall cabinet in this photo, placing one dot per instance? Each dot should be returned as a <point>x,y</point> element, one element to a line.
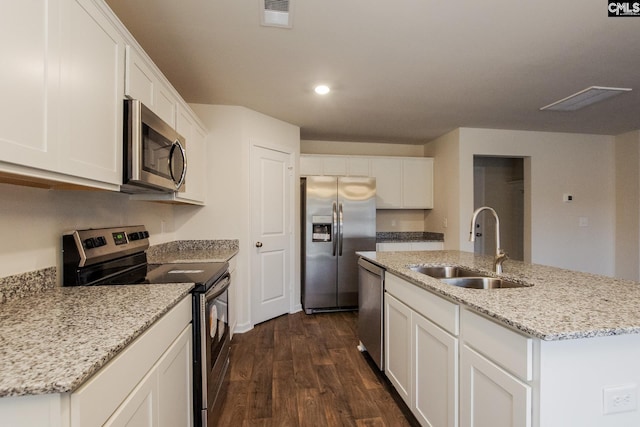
<point>61,109</point>
<point>142,82</point>
<point>333,165</point>
<point>401,182</point>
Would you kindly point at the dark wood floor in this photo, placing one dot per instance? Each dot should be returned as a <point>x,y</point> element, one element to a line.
<point>305,370</point>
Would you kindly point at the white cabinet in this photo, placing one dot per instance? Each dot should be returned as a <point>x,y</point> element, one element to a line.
<point>148,383</point>
<point>195,135</point>
<point>91,85</point>
<point>409,246</point>
<point>435,363</point>
<point>397,345</point>
<point>403,182</point>
<point>29,83</point>
<point>143,82</point>
<point>496,366</point>
<point>388,175</point>
<point>316,164</point>
<point>421,351</point>
<point>164,396</point>
<point>61,110</point>
<point>490,396</point>
<point>416,173</point>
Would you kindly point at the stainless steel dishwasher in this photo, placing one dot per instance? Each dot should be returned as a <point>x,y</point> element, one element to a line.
<point>370,312</point>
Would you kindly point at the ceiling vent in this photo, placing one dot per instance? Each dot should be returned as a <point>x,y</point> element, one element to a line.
<point>585,97</point>
<point>276,13</point>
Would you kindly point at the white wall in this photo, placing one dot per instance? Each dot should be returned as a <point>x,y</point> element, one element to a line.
<point>627,168</point>
<point>582,165</point>
<point>227,212</point>
<point>33,220</point>
<point>445,217</point>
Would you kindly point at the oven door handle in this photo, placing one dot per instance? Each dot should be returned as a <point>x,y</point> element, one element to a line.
<point>220,286</point>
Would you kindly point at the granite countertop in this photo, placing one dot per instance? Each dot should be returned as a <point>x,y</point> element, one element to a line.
<point>54,340</point>
<point>408,236</point>
<point>185,251</point>
<point>561,304</point>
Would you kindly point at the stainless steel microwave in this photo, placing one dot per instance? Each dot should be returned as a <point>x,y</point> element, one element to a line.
<point>155,157</point>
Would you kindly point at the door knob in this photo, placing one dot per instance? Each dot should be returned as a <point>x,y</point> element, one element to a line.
<point>258,244</point>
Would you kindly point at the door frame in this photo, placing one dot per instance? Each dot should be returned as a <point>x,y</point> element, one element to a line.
<point>293,227</point>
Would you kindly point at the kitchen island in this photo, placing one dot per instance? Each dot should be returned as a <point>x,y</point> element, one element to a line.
<point>560,351</point>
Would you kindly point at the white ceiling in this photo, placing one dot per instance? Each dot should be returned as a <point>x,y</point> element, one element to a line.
<point>402,71</point>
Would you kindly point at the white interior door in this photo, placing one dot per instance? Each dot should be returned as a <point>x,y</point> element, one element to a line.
<point>271,182</point>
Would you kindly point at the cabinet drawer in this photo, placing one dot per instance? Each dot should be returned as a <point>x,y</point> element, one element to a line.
<point>509,349</point>
<point>440,311</point>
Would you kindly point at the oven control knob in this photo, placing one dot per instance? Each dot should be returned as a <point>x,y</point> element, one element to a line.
<point>89,243</point>
<point>133,236</point>
<point>100,241</point>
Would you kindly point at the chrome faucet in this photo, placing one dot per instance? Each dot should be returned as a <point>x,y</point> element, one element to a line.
<point>501,256</point>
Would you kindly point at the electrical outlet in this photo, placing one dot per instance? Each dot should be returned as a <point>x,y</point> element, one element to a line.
<point>445,222</point>
<point>620,399</point>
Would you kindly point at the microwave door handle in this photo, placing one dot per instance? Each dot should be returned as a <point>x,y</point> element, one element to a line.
<point>183,154</point>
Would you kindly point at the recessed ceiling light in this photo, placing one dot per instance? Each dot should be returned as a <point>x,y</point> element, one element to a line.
<point>585,97</point>
<point>322,89</point>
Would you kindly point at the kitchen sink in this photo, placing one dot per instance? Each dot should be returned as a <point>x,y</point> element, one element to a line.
<point>445,272</point>
<point>482,283</point>
<point>465,278</point>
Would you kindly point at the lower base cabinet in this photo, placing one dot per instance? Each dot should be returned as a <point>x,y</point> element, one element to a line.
<point>163,397</point>
<point>435,364</point>
<point>421,358</point>
<point>149,383</point>
<point>489,395</point>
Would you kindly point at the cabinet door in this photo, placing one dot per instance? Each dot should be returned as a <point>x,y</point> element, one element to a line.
<point>310,165</point>
<point>139,79</point>
<point>29,42</point>
<point>175,404</point>
<point>196,156</point>
<point>490,396</point>
<point>334,166</point>
<point>140,408</point>
<point>397,346</point>
<point>417,183</point>
<point>388,174</point>
<point>92,86</point>
<point>165,105</point>
<point>435,372</point>
<point>358,166</point>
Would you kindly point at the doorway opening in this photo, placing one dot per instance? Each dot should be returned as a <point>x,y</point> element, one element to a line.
<point>499,182</point>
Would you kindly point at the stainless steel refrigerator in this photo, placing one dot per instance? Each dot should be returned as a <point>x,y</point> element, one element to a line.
<point>338,218</point>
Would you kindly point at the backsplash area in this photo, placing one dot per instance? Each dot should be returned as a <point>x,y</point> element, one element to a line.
<point>408,236</point>
<point>20,285</point>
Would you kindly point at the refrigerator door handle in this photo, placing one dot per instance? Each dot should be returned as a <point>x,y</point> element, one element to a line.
<point>340,233</point>
<point>335,227</point>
